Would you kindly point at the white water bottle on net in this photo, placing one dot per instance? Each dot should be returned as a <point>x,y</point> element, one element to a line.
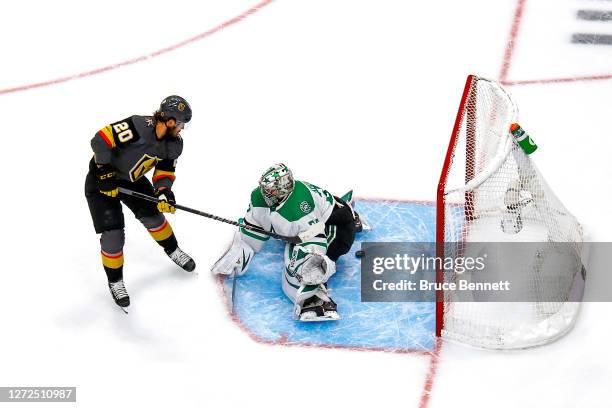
<point>491,192</point>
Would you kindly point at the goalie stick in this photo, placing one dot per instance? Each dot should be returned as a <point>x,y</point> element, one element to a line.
<point>315,230</point>
<point>233,296</point>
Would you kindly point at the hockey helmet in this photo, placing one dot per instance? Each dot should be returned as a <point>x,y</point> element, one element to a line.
<point>175,107</point>
<point>276,184</point>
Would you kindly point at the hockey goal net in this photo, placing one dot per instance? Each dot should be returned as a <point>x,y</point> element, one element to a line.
<point>490,191</point>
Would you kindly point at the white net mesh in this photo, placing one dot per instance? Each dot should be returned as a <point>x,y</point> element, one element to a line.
<point>490,191</point>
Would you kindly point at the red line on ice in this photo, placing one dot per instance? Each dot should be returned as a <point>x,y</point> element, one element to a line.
<point>510,45</point>
<point>431,374</point>
<point>516,22</point>
<point>162,51</point>
<point>558,80</point>
<point>509,53</point>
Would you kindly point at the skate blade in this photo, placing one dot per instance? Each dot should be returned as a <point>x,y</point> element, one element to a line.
<point>123,309</point>
<point>331,316</point>
<point>365,224</point>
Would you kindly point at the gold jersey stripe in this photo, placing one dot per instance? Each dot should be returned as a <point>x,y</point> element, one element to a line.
<point>159,174</point>
<point>162,232</point>
<point>107,134</point>
<point>112,261</point>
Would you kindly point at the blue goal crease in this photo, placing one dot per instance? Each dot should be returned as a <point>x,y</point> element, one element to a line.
<point>266,312</point>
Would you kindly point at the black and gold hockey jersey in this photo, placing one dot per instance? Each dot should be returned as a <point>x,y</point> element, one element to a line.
<point>132,148</point>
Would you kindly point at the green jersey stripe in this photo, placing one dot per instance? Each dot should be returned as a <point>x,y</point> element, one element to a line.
<point>332,234</point>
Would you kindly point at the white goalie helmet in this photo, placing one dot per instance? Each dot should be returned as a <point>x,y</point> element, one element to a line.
<point>276,184</point>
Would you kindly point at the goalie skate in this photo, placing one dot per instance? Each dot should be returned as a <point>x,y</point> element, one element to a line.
<point>317,310</point>
<point>361,223</point>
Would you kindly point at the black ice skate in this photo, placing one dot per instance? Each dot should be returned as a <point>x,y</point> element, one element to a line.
<point>182,259</point>
<point>358,224</point>
<point>361,223</point>
<point>120,295</point>
<point>316,310</point>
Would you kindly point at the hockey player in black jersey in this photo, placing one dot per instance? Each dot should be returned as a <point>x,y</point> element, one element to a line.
<point>124,152</point>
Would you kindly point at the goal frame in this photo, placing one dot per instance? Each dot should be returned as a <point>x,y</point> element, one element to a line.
<point>543,327</point>
<point>440,199</point>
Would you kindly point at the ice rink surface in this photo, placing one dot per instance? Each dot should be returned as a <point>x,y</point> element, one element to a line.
<point>350,94</point>
<point>264,311</point>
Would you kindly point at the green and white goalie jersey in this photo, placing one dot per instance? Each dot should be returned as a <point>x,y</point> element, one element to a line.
<point>306,206</point>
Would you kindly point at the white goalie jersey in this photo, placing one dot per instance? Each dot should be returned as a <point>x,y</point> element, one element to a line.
<point>307,208</point>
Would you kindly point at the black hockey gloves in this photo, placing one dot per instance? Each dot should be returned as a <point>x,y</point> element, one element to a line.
<point>107,183</point>
<point>168,201</point>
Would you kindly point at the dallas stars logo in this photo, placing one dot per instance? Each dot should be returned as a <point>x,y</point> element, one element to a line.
<point>305,207</point>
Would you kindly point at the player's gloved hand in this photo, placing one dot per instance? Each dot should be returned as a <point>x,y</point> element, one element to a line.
<point>107,181</point>
<point>168,201</point>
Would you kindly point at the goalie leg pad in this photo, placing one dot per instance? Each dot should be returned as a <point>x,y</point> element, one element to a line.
<point>319,306</point>
<point>316,296</point>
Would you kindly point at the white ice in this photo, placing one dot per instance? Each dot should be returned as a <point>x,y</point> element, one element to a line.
<point>368,90</point>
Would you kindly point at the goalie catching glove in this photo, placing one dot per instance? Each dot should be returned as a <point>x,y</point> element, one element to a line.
<point>166,205</point>
<point>311,268</point>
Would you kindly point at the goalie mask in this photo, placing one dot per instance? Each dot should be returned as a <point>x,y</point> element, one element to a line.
<point>276,184</point>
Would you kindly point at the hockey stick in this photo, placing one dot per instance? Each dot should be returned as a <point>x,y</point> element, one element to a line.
<point>293,240</point>
<point>233,297</point>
